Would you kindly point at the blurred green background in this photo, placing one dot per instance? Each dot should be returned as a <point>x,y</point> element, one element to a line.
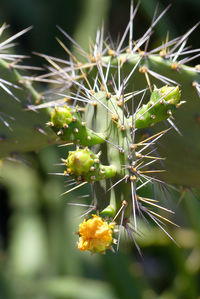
<point>38,254</point>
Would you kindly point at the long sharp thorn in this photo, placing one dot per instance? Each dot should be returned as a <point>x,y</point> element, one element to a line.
<point>120,227</point>
<point>154,219</point>
<point>15,36</point>
<point>155,205</point>
<point>68,191</point>
<point>163,218</point>
<point>174,126</point>
<point>134,205</point>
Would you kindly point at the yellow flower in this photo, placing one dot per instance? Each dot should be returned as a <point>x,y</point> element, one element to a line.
<point>95,235</point>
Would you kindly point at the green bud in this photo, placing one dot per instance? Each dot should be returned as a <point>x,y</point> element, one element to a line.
<point>80,161</point>
<point>84,165</point>
<point>173,94</point>
<point>61,116</point>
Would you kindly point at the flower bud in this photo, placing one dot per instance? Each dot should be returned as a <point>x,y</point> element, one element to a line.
<point>61,116</point>
<point>80,161</point>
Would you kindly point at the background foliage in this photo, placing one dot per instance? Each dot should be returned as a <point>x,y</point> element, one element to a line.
<point>38,254</point>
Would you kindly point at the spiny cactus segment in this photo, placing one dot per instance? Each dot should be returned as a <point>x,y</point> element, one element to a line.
<point>160,107</point>
<point>67,123</point>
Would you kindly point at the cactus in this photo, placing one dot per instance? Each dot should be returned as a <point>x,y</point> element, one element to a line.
<point>111,106</point>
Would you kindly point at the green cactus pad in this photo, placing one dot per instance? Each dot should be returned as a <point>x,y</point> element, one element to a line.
<point>68,124</point>
<point>163,102</point>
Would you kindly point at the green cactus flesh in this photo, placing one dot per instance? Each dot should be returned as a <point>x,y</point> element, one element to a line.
<point>114,152</point>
